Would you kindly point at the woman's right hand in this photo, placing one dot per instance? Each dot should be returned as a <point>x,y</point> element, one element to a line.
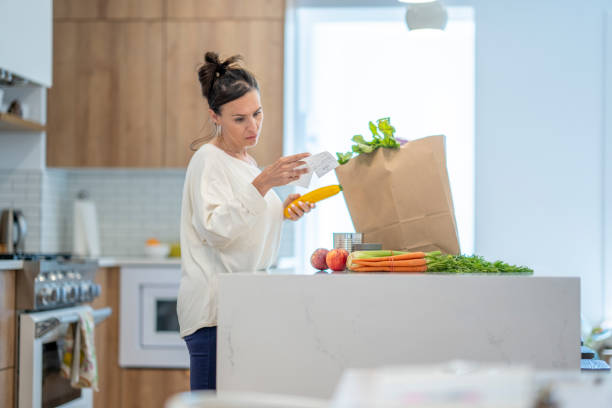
<point>281,172</point>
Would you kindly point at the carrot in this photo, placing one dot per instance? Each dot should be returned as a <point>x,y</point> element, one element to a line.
<point>389,269</point>
<point>410,255</point>
<point>408,262</point>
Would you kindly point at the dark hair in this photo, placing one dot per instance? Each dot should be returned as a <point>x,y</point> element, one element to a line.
<point>222,82</point>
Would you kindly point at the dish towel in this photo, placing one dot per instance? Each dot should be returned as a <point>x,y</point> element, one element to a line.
<point>79,341</point>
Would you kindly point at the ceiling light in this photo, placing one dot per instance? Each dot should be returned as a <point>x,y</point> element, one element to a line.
<point>431,14</point>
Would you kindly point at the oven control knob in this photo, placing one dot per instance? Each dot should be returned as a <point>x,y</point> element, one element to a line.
<point>94,290</point>
<point>72,293</point>
<point>84,292</point>
<point>55,295</point>
<point>43,296</point>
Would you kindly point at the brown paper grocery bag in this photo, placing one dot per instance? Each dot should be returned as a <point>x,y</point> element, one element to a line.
<point>401,198</point>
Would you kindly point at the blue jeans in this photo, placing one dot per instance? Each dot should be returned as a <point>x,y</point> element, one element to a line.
<point>202,346</point>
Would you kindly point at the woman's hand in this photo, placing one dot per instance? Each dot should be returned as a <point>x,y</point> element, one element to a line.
<point>297,211</point>
<point>281,172</point>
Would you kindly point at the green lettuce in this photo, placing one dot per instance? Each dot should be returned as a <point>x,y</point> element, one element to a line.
<point>382,136</point>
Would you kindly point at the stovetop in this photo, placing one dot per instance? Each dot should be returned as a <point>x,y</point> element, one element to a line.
<point>36,257</point>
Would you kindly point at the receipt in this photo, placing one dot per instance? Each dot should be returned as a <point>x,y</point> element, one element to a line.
<point>320,163</point>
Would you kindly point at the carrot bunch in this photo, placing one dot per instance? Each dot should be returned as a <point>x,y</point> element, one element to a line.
<point>387,261</point>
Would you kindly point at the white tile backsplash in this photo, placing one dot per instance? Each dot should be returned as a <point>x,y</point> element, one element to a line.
<point>132,206</point>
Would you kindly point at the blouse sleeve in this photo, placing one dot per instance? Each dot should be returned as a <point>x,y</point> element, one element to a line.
<point>220,214</point>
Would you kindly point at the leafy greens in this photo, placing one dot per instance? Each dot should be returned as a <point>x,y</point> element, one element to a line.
<point>438,262</point>
<point>382,136</point>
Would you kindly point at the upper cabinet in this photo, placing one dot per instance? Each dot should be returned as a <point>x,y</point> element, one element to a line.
<point>25,39</point>
<point>126,90</point>
<point>105,107</point>
<point>223,9</point>
<point>259,42</point>
<point>111,9</point>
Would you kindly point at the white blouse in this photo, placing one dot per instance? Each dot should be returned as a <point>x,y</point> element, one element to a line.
<point>226,226</point>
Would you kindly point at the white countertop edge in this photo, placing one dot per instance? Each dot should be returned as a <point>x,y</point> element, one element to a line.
<point>11,265</point>
<point>107,262</point>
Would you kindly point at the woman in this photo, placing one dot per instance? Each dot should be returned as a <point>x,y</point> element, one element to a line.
<point>230,217</point>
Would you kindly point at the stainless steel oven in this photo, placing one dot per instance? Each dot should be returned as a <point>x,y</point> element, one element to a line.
<point>50,293</point>
<point>41,337</point>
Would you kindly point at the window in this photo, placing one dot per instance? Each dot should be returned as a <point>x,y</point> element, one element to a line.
<point>347,66</point>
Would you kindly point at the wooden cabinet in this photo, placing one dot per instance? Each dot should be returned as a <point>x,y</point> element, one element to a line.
<point>125,92</point>
<point>107,340</point>
<point>259,42</point>
<point>7,380</point>
<point>226,9</point>
<point>115,9</point>
<point>105,107</point>
<point>150,387</point>
<point>123,387</point>
<point>7,337</point>
<point>7,319</point>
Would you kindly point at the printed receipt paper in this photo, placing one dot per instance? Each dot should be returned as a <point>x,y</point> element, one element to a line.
<point>320,163</point>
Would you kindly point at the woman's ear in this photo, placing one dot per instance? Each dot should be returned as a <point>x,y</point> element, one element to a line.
<point>215,118</point>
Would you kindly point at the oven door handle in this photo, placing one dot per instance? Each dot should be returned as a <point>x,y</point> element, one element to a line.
<point>99,315</point>
<point>43,327</point>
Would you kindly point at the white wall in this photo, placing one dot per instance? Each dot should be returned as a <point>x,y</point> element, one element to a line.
<point>26,39</point>
<point>540,137</point>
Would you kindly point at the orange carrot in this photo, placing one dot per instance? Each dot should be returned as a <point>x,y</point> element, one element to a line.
<point>390,269</point>
<point>408,262</point>
<point>410,255</point>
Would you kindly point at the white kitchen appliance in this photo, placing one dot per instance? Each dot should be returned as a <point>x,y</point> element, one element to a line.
<point>149,330</point>
<point>49,293</point>
<point>40,350</point>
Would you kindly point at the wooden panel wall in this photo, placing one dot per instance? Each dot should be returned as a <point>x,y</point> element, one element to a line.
<point>125,90</point>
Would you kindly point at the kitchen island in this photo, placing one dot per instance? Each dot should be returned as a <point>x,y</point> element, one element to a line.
<point>296,334</point>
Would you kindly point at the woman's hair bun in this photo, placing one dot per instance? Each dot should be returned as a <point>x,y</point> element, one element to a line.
<point>213,68</point>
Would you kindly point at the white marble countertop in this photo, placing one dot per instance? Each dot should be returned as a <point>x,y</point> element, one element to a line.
<point>315,326</point>
<point>11,265</point>
<point>111,261</point>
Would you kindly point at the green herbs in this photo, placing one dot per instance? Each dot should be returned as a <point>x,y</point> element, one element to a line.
<point>382,136</point>
<point>437,262</point>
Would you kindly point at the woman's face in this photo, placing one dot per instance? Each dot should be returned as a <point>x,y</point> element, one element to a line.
<point>241,120</point>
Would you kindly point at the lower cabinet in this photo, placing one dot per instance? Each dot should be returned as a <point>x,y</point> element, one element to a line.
<point>127,387</point>
<point>7,338</point>
<point>151,387</point>
<point>7,397</point>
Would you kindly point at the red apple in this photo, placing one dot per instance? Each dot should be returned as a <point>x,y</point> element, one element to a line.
<point>336,259</point>
<point>317,259</point>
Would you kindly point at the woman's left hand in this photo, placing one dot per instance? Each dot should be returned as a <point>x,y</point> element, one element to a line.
<point>296,211</point>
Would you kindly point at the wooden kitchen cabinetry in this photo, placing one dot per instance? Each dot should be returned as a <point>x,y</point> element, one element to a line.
<point>226,9</point>
<point>127,387</point>
<point>107,340</point>
<point>259,42</point>
<point>112,9</point>
<point>126,92</point>
<point>7,337</point>
<point>105,107</point>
